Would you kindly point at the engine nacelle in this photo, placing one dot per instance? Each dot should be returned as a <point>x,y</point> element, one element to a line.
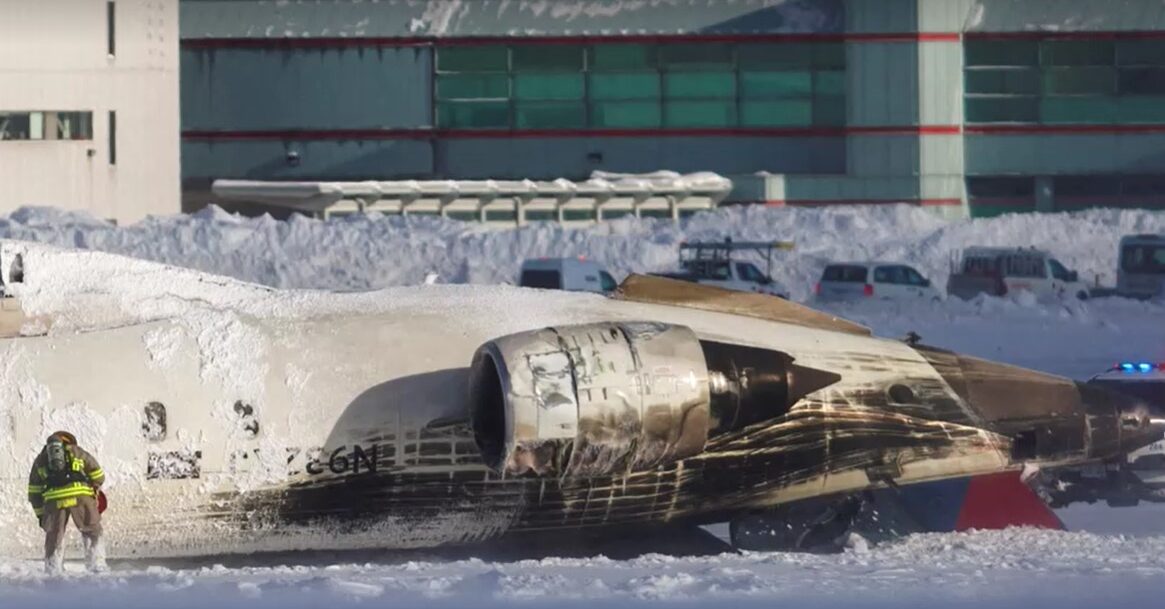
<point>591,399</point>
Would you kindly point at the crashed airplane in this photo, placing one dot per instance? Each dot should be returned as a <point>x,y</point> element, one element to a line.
<point>232,417</point>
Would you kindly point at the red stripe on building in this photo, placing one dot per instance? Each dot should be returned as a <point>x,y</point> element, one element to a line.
<point>822,202</point>
<point>415,134</point>
<point>442,41</point>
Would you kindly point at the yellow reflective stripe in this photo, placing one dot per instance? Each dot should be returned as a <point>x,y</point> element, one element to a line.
<point>38,511</point>
<point>75,490</point>
<point>97,474</point>
<point>35,488</point>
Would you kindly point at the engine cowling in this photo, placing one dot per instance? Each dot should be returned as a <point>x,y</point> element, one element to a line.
<point>590,400</point>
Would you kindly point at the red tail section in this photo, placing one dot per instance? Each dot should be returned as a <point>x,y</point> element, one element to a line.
<point>998,501</point>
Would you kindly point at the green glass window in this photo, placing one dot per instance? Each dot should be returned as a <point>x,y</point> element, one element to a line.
<point>1142,81</point>
<point>1080,81</point>
<point>547,58</point>
<point>699,114</point>
<point>619,57</point>
<point>776,55</point>
<point>694,56</point>
<point>626,114</point>
<point>472,86</point>
<point>1140,52</point>
<point>632,85</point>
<point>1002,109</point>
<point>548,86</point>
<point>473,115</point>
<point>699,84</point>
<point>473,59</point>
<point>1077,110</point>
<point>1014,81</point>
<point>829,56</point>
<point>777,113</point>
<point>1076,53</point>
<point>829,111</point>
<point>1139,110</point>
<point>1001,53</point>
<point>830,83</point>
<point>776,84</point>
<point>642,85</point>
<point>550,115</point>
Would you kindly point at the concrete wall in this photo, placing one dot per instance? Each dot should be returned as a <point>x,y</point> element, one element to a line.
<point>53,57</point>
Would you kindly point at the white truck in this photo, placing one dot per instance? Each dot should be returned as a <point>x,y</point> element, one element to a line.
<point>1141,267</point>
<point>718,264</point>
<point>1002,271</point>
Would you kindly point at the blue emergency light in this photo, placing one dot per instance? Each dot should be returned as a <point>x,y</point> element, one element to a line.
<point>1139,366</point>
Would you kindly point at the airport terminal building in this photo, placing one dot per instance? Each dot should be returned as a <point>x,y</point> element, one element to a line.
<point>89,106</point>
<point>964,106</point>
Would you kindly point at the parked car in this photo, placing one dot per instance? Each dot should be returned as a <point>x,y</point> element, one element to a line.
<point>1000,271</point>
<point>883,280</point>
<point>717,264</point>
<point>1141,267</point>
<point>573,274</point>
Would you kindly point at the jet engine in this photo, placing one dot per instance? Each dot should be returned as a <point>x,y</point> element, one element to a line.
<point>606,398</point>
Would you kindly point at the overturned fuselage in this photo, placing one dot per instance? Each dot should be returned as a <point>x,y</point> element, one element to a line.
<point>233,418</point>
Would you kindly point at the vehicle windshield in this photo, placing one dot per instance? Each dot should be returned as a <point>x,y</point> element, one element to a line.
<point>707,269</point>
<point>547,280</point>
<point>844,273</point>
<point>1143,258</point>
<point>1059,271</point>
<point>747,271</point>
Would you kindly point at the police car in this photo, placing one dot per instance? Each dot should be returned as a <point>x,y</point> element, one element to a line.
<point>1143,380</point>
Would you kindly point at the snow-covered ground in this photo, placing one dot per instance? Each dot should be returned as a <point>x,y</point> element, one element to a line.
<point>1116,557</point>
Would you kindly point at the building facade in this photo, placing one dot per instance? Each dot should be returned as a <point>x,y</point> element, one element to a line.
<point>89,106</point>
<point>963,106</point>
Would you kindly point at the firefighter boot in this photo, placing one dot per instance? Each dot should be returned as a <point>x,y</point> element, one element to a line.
<point>55,563</point>
<point>95,554</point>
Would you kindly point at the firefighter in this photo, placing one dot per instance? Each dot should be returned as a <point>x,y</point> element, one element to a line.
<point>63,484</point>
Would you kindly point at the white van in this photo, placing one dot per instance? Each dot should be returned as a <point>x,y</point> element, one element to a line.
<point>1000,271</point>
<point>573,274</point>
<point>881,280</point>
<point>1141,269</point>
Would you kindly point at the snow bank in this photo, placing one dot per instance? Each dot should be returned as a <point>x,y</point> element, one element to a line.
<point>360,253</point>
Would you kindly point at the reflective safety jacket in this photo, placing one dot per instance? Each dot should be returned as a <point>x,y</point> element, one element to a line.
<point>82,480</point>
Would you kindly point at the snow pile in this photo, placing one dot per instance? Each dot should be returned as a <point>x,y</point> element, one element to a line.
<point>361,253</point>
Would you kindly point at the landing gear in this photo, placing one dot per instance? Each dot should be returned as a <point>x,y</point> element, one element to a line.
<point>817,526</point>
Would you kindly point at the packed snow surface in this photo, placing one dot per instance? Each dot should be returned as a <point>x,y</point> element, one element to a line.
<point>1114,557</point>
